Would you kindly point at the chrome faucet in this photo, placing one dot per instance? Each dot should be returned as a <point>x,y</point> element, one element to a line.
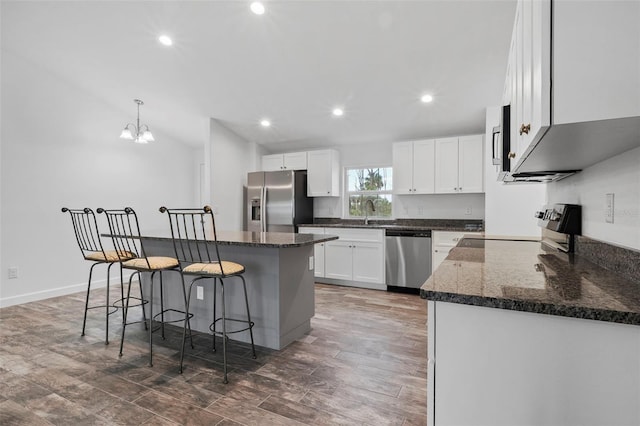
<point>366,210</point>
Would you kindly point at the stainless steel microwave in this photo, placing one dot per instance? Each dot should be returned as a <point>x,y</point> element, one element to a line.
<point>502,143</point>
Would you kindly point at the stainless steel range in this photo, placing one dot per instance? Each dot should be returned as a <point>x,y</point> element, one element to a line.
<point>560,224</point>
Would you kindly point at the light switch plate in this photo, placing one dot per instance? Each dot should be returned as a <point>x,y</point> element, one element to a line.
<point>199,292</point>
<point>609,209</point>
<point>311,263</point>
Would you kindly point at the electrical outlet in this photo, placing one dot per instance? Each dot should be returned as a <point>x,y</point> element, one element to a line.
<point>311,263</point>
<point>13,272</point>
<point>199,292</point>
<point>609,209</point>
<point>468,210</point>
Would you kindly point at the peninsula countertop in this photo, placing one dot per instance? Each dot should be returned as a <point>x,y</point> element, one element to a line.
<point>259,239</point>
<point>524,276</point>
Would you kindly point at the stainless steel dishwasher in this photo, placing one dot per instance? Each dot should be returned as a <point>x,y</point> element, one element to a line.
<point>407,259</point>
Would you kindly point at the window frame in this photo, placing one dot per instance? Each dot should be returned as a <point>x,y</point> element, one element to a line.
<point>348,194</point>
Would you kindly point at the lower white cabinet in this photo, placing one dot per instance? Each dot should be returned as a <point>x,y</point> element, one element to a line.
<point>501,367</point>
<point>318,250</point>
<point>356,258</point>
<point>441,244</point>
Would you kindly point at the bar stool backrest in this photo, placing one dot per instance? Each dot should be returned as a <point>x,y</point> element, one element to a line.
<point>125,233</point>
<point>192,235</point>
<point>85,227</point>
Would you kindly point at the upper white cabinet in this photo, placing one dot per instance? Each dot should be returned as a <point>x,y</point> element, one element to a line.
<point>592,110</point>
<point>529,75</point>
<point>413,167</point>
<point>459,165</point>
<point>288,161</point>
<point>323,173</point>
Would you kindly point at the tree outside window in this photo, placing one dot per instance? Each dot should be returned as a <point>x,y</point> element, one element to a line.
<point>371,183</point>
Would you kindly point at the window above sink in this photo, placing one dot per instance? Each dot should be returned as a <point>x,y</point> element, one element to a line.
<point>365,184</point>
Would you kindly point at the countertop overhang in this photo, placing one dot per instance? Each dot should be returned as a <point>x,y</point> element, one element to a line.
<point>525,276</point>
<point>259,239</point>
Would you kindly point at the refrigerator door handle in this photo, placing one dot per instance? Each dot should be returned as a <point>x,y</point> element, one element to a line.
<point>263,217</point>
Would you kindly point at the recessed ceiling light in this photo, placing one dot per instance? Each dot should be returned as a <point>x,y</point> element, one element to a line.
<point>338,112</point>
<point>257,8</point>
<point>265,123</point>
<point>426,98</point>
<point>166,40</point>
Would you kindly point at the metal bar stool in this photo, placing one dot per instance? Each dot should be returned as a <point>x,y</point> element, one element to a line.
<point>194,241</point>
<point>85,228</point>
<point>125,234</point>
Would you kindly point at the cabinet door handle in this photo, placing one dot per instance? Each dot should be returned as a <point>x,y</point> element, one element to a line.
<point>511,155</point>
<point>525,129</point>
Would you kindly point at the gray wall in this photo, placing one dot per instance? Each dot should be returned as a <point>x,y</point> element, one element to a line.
<point>61,147</point>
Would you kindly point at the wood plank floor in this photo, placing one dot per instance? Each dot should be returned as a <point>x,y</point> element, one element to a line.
<point>363,363</point>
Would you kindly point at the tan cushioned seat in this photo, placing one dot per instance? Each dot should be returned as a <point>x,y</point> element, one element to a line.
<point>229,268</point>
<point>154,262</point>
<point>109,256</point>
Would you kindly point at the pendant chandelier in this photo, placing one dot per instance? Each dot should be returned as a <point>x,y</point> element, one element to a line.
<point>136,132</point>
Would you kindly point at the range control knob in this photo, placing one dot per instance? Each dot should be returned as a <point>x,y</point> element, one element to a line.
<point>539,215</point>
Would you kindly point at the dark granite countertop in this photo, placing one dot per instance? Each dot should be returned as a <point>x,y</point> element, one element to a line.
<point>455,225</point>
<point>260,239</point>
<point>525,276</point>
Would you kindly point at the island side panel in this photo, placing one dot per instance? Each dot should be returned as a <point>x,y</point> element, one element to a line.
<point>263,287</point>
<point>500,367</point>
<point>297,293</point>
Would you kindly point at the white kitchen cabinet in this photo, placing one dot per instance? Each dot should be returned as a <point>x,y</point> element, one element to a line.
<point>573,371</point>
<point>368,262</point>
<point>318,250</point>
<point>356,258</point>
<point>591,111</point>
<point>441,244</point>
<point>413,167</point>
<point>529,75</point>
<point>339,260</point>
<point>459,165</point>
<point>323,173</point>
<point>288,161</point>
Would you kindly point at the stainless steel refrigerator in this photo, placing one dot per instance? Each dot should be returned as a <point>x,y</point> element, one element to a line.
<point>277,201</point>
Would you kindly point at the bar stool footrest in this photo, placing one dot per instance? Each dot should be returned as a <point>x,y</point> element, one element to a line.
<point>169,321</point>
<point>115,308</point>
<point>119,304</point>
<point>219,333</point>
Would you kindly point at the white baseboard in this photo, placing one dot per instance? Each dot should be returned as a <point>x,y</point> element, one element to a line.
<point>53,292</point>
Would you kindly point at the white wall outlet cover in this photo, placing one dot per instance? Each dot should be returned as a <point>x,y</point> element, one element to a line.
<point>468,210</point>
<point>13,272</point>
<point>199,292</point>
<point>609,208</point>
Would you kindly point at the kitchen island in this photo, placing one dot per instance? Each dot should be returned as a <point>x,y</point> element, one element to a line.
<point>280,284</point>
<point>520,334</point>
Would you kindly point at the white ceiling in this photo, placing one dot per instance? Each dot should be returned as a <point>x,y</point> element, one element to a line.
<point>292,65</point>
